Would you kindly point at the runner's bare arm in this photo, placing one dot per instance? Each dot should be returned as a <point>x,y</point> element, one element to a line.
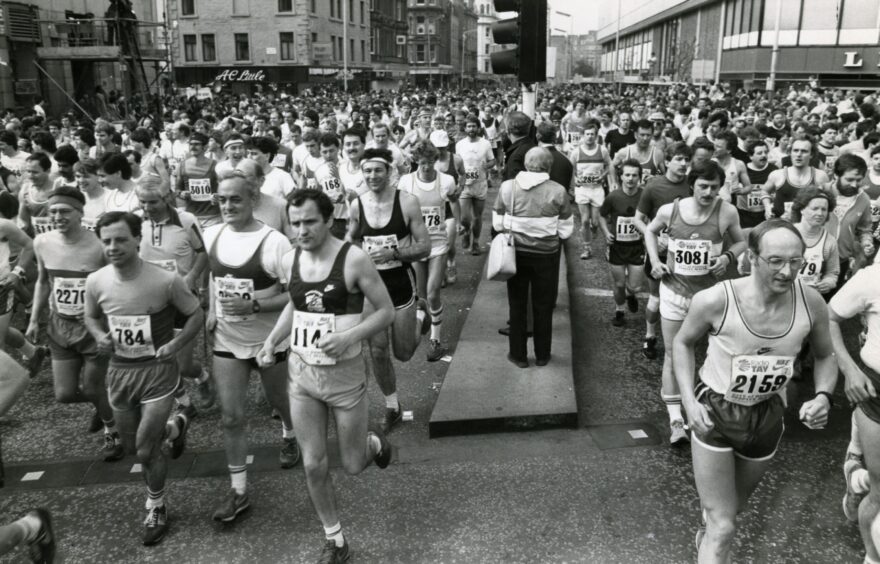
<point>613,182</point>
<point>353,230</point>
<point>41,296</point>
<point>814,413</point>
<point>420,242</point>
<point>652,241</point>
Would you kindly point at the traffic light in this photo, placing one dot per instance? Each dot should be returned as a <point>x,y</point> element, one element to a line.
<point>528,30</point>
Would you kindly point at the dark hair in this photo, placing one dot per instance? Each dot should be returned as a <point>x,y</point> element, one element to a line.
<point>757,234</point>
<point>704,143</point>
<point>9,137</point>
<point>546,132</point>
<point>708,170</point>
<point>132,153</point>
<point>720,117</point>
<point>69,192</point>
<point>679,148</point>
<point>265,145</point>
<point>591,124</point>
<point>805,196</point>
<point>298,198</point>
<point>87,166</point>
<point>804,137</point>
<point>41,159</point>
<point>378,153</point>
<point>518,123</point>
<point>111,217</point>
<point>631,163</point>
<point>729,137</point>
<point>111,163</point>
<point>425,150</point>
<point>8,204</point>
<point>753,144</point>
<point>142,135</point>
<point>329,140</point>
<point>850,161</point>
<point>355,132</point>
<point>45,140</point>
<point>184,129</point>
<point>67,155</point>
<point>644,124</point>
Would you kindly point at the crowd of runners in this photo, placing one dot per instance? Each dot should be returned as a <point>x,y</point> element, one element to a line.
<point>309,239</point>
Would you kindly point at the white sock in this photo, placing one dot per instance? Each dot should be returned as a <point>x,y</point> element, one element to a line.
<point>420,316</point>
<point>436,323</point>
<point>287,433</point>
<point>374,442</point>
<point>391,401</point>
<point>334,533</point>
<point>238,475</point>
<point>183,399</point>
<point>859,481</point>
<point>28,349</point>
<point>618,307</point>
<point>172,431</point>
<point>673,406</point>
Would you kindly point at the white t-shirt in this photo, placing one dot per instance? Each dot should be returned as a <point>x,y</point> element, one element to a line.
<point>277,183</point>
<point>861,295</point>
<point>16,162</point>
<point>475,156</point>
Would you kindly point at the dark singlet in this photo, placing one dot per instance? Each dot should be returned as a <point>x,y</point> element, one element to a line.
<point>252,269</point>
<point>786,193</point>
<point>329,295</point>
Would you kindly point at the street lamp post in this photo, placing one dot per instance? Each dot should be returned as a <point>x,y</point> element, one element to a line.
<point>569,44</point>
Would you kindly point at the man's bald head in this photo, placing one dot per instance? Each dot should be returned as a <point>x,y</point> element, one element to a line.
<point>538,159</point>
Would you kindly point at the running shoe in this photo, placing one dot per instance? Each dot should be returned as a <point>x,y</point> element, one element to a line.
<point>289,455</point>
<point>36,362</point>
<point>852,499</point>
<point>426,322</point>
<point>113,450</point>
<point>383,457</point>
<point>679,435</point>
<point>332,554</point>
<point>618,320</point>
<point>649,348</point>
<point>451,274</point>
<point>205,394</point>
<point>435,350</point>
<point>42,548</point>
<point>476,250</point>
<point>232,507</point>
<point>179,443</point>
<point>632,303</point>
<point>587,253</point>
<point>391,419</point>
<point>155,525</point>
<point>95,423</point>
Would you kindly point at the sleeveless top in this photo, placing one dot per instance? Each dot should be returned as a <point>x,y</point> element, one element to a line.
<point>731,179</point>
<point>67,267</point>
<point>747,367</point>
<point>38,209</point>
<point>649,167</point>
<point>786,193</point>
<point>389,236</point>
<point>448,167</point>
<point>590,168</point>
<point>201,189</point>
<point>321,307</point>
<point>691,250</point>
<point>811,271</point>
<point>431,202</point>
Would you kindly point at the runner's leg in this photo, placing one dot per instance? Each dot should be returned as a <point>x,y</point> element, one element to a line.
<point>310,422</point>
<point>478,205</point>
<point>869,436</point>
<point>231,377</point>
<point>715,477</point>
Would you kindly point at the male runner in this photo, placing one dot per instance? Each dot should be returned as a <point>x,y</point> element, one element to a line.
<point>782,185</point>
<point>434,190</point>
<point>657,192</point>
<point>388,225</point>
<point>736,177</point>
<point>325,323</point>
<point>246,294</point>
<point>626,248</point>
<point>750,204</point>
<point>756,326</point>
<point>696,228</point>
<point>648,156</point>
<point>450,163</point>
<point>130,310</point>
<point>478,158</point>
<point>276,182</point>
<point>197,183</point>
<point>592,165</point>
<point>65,257</point>
<point>330,182</point>
<point>305,167</point>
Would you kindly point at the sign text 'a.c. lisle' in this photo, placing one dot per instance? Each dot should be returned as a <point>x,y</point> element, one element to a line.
<point>240,75</point>
<point>854,60</point>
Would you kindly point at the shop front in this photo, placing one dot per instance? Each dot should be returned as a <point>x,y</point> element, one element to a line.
<point>245,79</point>
<point>839,66</point>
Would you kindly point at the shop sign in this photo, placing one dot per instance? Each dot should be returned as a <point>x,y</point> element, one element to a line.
<point>240,75</point>
<point>854,60</point>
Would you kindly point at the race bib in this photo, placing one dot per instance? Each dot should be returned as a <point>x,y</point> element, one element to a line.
<point>589,173</point>
<point>200,189</point>
<point>69,295</point>
<point>376,242</point>
<point>875,211</point>
<point>755,201</point>
<point>333,188</point>
<point>132,335</point>
<point>42,225</point>
<point>811,271</point>
<point>626,230</point>
<point>306,333</point>
<point>280,161</point>
<point>575,137</point>
<point>170,264</point>
<point>433,218</point>
<point>228,287</point>
<point>471,175</point>
<point>756,378</point>
<point>690,257</point>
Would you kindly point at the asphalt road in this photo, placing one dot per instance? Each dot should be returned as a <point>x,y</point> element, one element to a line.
<point>532,496</point>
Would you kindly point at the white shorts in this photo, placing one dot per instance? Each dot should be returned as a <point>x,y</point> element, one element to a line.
<point>437,250</point>
<point>673,306</point>
<point>589,196</point>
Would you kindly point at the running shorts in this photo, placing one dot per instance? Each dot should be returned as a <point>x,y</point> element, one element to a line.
<point>476,191</point>
<point>620,254</point>
<point>751,432</point>
<point>871,406</point>
<point>673,306</point>
<point>749,220</point>
<point>341,385</point>
<point>592,196</point>
<point>69,339</point>
<point>648,266</point>
<point>401,284</point>
<point>130,385</point>
<point>279,357</point>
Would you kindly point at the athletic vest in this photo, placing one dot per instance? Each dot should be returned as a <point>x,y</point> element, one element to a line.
<point>747,367</point>
<point>649,168</point>
<point>39,211</point>
<point>201,192</point>
<point>786,193</point>
<point>691,250</point>
<point>322,307</point>
<point>448,167</point>
<point>389,236</point>
<point>590,168</point>
<point>753,202</point>
<point>811,271</point>
<point>431,202</point>
<point>731,179</point>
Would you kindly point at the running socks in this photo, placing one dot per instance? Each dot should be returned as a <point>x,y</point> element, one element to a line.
<point>238,475</point>
<point>391,401</point>
<point>673,406</point>
<point>155,499</point>
<point>334,533</point>
<point>374,445</point>
<point>287,433</point>
<point>436,323</point>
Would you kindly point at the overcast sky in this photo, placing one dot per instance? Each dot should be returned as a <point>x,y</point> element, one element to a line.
<point>585,14</point>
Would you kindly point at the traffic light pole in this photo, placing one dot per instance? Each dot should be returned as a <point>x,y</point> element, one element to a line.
<point>528,100</point>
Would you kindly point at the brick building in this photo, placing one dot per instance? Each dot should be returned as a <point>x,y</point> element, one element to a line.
<point>388,38</point>
<point>291,44</point>
<point>442,42</point>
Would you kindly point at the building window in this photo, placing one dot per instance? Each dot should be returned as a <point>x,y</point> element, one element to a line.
<point>400,6</point>
<point>487,49</point>
<point>351,54</point>
<point>242,47</point>
<point>333,43</point>
<point>819,24</point>
<point>285,42</point>
<point>420,53</point>
<point>433,53</point>
<point>285,5</point>
<point>240,7</point>
<point>313,7</point>
<point>332,9</point>
<point>188,7</point>
<point>189,47</point>
<point>363,51</point>
<point>486,67</point>
<point>209,50</point>
<point>350,11</point>
<point>374,40</point>
<point>788,23</point>
<point>858,24</point>
<point>488,31</point>
<point>363,13</point>
<point>341,47</point>
<point>420,2</point>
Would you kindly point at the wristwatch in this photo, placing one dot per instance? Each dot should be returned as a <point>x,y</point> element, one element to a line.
<point>256,306</point>
<point>395,254</point>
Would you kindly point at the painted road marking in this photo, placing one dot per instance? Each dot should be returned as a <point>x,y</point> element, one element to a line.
<point>603,293</point>
<point>638,434</point>
<point>135,469</point>
<point>32,476</point>
<point>250,459</point>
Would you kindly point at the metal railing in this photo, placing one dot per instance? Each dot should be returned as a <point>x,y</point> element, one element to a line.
<point>98,32</point>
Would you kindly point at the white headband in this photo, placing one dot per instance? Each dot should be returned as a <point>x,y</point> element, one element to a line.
<point>377,160</point>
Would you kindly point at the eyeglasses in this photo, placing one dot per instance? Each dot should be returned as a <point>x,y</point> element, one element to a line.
<point>776,263</point>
